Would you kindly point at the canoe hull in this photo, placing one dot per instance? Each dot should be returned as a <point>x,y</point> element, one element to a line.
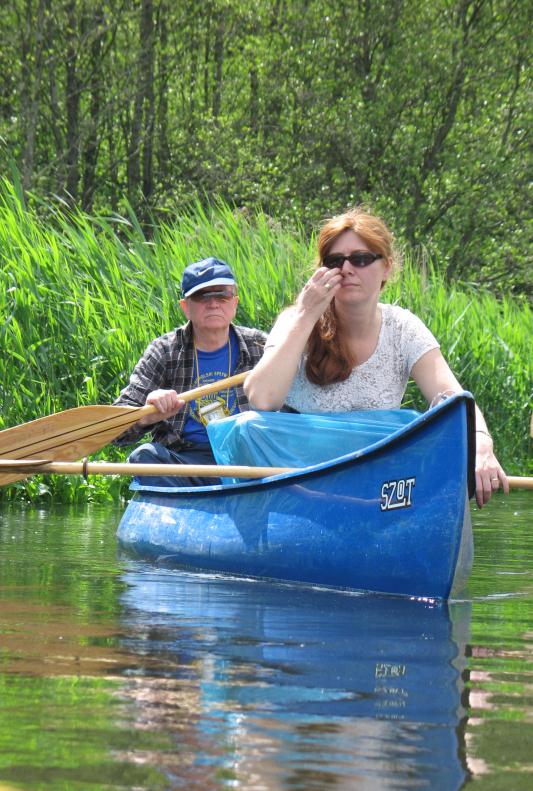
<point>390,518</point>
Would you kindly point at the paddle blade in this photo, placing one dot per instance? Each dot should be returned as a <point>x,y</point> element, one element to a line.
<point>78,432</point>
<point>67,435</point>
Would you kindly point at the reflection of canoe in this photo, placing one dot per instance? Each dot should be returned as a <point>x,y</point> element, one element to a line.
<point>392,517</point>
<point>374,683</point>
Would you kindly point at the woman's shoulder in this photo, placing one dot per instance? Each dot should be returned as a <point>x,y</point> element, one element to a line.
<point>395,312</point>
<point>405,327</point>
<point>398,317</point>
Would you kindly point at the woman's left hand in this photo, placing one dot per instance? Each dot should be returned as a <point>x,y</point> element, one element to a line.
<point>489,473</point>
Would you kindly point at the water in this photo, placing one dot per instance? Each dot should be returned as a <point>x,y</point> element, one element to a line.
<point>117,675</point>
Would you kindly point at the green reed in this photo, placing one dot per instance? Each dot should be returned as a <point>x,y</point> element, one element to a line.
<point>82,296</point>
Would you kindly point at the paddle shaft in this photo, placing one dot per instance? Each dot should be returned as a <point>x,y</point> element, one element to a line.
<point>196,392</point>
<point>33,466</point>
<point>519,482</point>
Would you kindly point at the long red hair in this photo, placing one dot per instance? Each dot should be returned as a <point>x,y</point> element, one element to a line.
<point>329,357</point>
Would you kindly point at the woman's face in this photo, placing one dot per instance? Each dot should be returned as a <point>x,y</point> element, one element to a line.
<point>359,283</point>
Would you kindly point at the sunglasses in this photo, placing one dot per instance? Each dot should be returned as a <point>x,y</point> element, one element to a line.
<point>357,259</point>
<point>224,295</point>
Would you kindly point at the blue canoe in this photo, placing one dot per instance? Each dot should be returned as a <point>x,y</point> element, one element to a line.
<point>392,517</point>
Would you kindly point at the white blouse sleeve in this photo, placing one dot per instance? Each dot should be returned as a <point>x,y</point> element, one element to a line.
<point>417,339</point>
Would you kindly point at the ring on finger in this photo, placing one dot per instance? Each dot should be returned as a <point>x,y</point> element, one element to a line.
<point>327,285</point>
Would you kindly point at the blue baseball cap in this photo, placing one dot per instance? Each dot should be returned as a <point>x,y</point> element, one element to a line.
<point>208,272</point>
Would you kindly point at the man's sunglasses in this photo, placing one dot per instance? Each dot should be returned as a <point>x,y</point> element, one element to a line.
<point>358,259</point>
<point>223,295</point>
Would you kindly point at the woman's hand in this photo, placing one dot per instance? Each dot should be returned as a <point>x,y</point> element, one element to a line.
<point>167,403</point>
<point>489,473</point>
<point>434,377</point>
<point>319,291</point>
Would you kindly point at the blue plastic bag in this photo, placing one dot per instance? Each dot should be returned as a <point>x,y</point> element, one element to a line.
<point>284,439</point>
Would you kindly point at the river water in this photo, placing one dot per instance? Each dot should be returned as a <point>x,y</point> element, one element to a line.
<point>115,674</point>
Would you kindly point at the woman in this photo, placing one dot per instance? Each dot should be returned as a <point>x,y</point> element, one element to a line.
<point>339,349</point>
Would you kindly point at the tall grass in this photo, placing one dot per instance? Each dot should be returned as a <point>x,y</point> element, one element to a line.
<point>81,297</point>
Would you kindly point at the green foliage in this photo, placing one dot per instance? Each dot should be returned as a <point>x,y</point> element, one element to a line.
<point>81,297</point>
<point>297,109</point>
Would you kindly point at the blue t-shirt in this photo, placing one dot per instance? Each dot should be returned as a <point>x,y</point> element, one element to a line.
<point>213,366</point>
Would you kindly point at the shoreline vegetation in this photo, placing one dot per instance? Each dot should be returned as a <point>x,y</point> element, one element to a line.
<point>82,296</point>
<point>420,108</point>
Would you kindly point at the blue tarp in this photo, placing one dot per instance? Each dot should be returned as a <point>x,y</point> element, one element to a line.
<point>285,439</point>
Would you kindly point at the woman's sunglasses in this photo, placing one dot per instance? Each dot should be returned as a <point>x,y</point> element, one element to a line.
<point>359,259</point>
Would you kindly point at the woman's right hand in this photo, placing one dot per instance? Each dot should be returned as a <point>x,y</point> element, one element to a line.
<point>167,403</point>
<point>269,382</point>
<point>319,291</point>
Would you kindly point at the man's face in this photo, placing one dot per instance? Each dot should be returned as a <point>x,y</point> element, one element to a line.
<point>211,308</point>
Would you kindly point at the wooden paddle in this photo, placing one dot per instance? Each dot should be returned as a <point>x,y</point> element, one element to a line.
<point>519,482</point>
<point>78,432</point>
<point>34,466</point>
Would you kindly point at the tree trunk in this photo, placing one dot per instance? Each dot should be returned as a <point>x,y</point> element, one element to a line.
<point>55,112</point>
<point>30,88</point>
<point>141,111</point>
<point>207,58</point>
<point>90,152</point>
<point>163,147</point>
<point>149,99</point>
<point>72,104</point>
<point>219,60</point>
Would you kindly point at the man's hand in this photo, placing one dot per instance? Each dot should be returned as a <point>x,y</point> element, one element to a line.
<point>167,403</point>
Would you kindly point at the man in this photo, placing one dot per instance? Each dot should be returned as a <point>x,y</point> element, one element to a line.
<point>205,349</point>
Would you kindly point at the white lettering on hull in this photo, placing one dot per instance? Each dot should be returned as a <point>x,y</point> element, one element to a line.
<point>397,494</point>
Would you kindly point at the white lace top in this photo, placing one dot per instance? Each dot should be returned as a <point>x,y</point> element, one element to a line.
<point>378,383</point>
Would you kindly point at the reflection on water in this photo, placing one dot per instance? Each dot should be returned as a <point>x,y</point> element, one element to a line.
<point>118,674</point>
<point>304,688</point>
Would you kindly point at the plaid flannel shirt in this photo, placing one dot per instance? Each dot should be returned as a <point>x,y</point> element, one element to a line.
<point>168,364</point>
